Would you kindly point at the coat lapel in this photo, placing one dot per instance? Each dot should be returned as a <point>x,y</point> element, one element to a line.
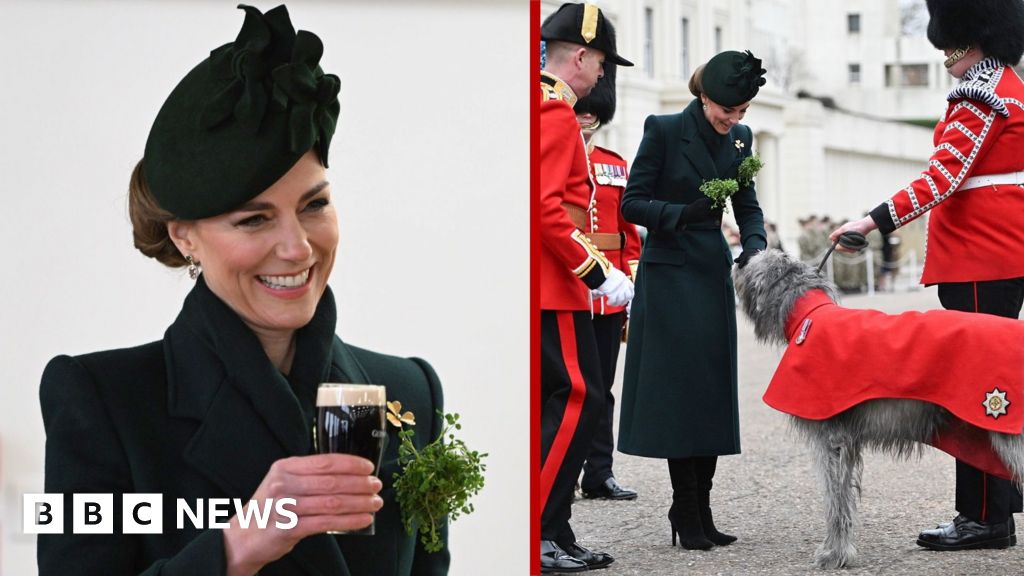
<point>693,146</point>
<point>250,415</point>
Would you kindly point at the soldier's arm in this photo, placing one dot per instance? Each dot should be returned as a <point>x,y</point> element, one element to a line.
<point>560,140</point>
<point>972,126</point>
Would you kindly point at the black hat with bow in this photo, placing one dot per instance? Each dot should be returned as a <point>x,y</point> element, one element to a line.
<point>732,78</point>
<point>241,119</point>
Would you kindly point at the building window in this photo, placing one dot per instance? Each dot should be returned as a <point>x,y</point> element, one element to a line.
<point>718,39</point>
<point>906,75</point>
<point>914,75</point>
<point>853,23</point>
<point>684,49</point>
<point>854,73</point>
<point>649,41</point>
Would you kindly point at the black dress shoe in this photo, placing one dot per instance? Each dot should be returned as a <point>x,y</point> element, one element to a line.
<point>555,560</point>
<point>593,560</point>
<point>610,490</point>
<point>966,534</point>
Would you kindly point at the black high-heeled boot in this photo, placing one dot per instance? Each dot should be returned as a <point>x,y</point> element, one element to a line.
<point>704,470</point>
<point>684,515</point>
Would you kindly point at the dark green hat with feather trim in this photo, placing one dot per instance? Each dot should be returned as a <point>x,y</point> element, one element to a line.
<point>241,119</point>
<point>732,78</point>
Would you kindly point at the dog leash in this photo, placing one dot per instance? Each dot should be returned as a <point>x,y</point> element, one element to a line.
<point>850,240</point>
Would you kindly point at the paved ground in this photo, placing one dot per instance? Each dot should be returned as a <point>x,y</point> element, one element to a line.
<point>769,497</point>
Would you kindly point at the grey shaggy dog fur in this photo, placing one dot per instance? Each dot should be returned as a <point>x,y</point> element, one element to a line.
<point>768,287</point>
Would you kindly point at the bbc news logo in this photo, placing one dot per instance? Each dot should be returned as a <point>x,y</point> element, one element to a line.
<point>144,513</point>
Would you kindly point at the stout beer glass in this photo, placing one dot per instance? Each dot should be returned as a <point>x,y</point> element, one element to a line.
<point>350,419</point>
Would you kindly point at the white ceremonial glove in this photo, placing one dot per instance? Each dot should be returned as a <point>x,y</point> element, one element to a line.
<point>616,287</point>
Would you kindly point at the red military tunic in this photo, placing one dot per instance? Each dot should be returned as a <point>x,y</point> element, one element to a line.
<point>970,364</point>
<point>609,173</point>
<point>975,233</point>
<point>569,264</point>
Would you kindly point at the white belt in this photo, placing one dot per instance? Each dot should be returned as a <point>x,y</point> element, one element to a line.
<point>993,180</point>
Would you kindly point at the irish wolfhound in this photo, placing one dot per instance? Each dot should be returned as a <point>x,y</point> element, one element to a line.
<point>846,394</point>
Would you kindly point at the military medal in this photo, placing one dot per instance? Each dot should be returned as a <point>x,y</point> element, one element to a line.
<point>995,403</point>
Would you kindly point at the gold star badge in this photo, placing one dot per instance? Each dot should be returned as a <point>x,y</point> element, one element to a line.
<point>995,403</point>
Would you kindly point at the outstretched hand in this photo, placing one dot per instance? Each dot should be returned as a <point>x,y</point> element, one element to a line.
<point>864,225</point>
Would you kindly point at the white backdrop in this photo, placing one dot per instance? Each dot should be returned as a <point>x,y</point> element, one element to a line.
<point>430,176</point>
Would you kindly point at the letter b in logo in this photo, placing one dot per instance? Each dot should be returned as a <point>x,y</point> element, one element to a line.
<point>93,514</point>
<point>43,513</point>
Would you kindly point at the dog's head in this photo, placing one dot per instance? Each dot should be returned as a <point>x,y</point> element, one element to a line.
<point>769,285</point>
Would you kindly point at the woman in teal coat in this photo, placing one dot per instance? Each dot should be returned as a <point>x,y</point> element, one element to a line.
<point>233,186</point>
<point>679,393</point>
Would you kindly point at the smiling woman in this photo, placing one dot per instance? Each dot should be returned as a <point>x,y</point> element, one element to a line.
<point>679,395</point>
<point>223,406</point>
<point>269,259</point>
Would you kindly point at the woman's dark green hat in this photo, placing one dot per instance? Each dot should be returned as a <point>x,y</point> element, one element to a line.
<point>732,78</point>
<point>241,119</point>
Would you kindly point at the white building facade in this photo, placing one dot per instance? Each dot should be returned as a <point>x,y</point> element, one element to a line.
<point>840,75</point>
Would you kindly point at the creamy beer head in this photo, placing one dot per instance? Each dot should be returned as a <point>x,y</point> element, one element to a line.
<point>350,395</point>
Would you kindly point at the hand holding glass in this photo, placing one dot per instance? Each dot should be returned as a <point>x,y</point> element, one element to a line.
<point>350,419</point>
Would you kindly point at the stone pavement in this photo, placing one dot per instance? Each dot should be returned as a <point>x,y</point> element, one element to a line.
<point>768,497</point>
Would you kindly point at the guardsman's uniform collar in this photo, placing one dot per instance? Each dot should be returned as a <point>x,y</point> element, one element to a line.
<point>556,89</point>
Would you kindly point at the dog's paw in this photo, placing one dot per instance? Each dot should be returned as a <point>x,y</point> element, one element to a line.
<point>835,557</point>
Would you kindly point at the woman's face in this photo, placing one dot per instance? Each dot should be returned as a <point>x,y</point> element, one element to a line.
<point>269,259</point>
<point>723,118</point>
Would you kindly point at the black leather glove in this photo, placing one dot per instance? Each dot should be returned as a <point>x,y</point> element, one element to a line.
<point>744,256</point>
<point>696,211</point>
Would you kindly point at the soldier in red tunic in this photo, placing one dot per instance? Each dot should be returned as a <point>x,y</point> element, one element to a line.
<point>620,243</point>
<point>577,43</point>
<point>974,188</point>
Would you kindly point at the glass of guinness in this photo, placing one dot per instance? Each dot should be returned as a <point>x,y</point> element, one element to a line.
<point>350,419</point>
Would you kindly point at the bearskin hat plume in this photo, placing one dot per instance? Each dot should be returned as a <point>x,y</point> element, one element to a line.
<point>994,26</point>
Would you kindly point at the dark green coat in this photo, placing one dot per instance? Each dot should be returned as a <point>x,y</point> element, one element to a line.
<point>203,414</point>
<point>679,393</point>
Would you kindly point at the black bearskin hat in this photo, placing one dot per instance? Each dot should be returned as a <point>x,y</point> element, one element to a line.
<point>601,100</point>
<point>996,27</point>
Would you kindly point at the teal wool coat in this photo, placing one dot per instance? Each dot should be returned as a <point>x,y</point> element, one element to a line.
<point>679,392</point>
<point>203,414</point>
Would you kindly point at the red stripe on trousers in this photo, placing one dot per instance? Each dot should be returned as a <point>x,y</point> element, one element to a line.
<point>984,476</point>
<point>573,407</point>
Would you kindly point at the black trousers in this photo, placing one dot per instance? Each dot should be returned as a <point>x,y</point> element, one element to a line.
<point>572,401</point>
<point>980,496</point>
<point>598,467</point>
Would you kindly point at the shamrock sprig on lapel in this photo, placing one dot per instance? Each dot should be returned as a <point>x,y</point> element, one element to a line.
<point>435,482</point>
<point>720,189</point>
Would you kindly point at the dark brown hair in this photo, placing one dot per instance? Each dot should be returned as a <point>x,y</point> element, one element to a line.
<point>696,88</point>
<point>149,223</point>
